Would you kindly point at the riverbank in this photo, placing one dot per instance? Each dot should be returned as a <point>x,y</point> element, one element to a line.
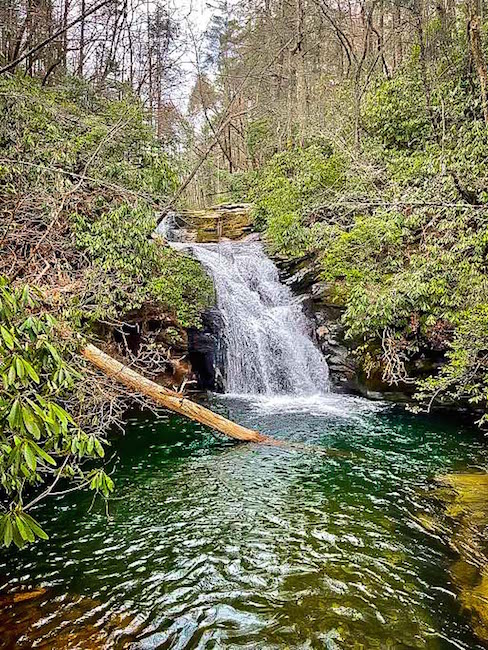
<point>394,266</point>
<point>82,178</point>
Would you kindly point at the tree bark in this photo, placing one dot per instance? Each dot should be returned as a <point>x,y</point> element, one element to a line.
<point>474,30</point>
<point>29,54</point>
<point>81,60</point>
<point>170,399</point>
<point>301,80</point>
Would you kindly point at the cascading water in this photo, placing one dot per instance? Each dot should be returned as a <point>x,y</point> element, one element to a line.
<point>267,348</point>
<point>245,546</point>
<point>169,229</point>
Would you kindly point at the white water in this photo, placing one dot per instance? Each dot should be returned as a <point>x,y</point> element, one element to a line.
<point>168,229</point>
<point>267,347</point>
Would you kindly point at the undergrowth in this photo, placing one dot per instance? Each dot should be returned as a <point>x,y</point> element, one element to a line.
<point>399,228</point>
<point>82,178</point>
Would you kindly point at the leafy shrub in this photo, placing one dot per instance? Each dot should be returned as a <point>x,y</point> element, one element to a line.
<point>98,158</point>
<point>370,248</point>
<point>71,128</point>
<point>260,140</point>
<point>465,375</point>
<point>78,184</point>
<point>396,112</point>
<point>237,185</point>
<point>130,268</point>
<point>286,188</point>
<point>40,441</point>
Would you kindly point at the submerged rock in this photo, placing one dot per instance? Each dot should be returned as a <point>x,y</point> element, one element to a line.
<point>463,525</point>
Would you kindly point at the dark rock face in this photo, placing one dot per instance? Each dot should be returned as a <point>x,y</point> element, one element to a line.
<point>302,279</point>
<point>205,351</point>
<point>329,332</point>
<point>325,316</point>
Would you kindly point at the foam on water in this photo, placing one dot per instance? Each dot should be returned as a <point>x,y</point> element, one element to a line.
<point>334,404</point>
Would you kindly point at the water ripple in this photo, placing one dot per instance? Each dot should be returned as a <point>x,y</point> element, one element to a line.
<point>211,545</point>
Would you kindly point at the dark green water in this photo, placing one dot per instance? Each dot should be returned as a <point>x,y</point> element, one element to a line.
<point>213,545</point>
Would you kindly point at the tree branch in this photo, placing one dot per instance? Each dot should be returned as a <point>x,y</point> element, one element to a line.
<point>13,64</point>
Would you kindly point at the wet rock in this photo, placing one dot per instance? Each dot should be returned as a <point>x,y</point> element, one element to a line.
<point>302,279</point>
<point>288,267</point>
<point>462,525</point>
<point>205,351</point>
<point>319,304</point>
<point>324,292</point>
<point>322,332</point>
<point>329,335</point>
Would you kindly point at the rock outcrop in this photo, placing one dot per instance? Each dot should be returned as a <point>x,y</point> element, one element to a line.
<point>205,351</point>
<point>325,316</point>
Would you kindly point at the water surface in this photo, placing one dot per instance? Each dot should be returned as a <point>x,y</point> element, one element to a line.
<point>215,545</point>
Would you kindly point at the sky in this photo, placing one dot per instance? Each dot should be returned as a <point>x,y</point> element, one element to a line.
<point>196,15</point>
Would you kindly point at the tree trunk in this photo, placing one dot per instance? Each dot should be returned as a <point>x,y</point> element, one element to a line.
<point>474,30</point>
<point>170,399</point>
<point>30,53</point>
<point>398,40</point>
<point>65,35</point>
<point>419,27</point>
<point>81,60</point>
<point>301,81</point>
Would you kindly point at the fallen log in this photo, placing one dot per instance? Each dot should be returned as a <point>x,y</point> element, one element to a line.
<point>180,404</point>
<point>170,399</point>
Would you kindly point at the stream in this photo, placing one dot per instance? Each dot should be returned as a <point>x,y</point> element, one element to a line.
<point>209,544</point>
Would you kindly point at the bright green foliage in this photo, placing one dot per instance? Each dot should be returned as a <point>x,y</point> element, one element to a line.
<point>238,185</point>
<point>131,269</point>
<point>40,441</point>
<point>422,281</point>
<point>260,140</point>
<point>182,286</point>
<point>409,267</point>
<point>365,251</point>
<point>100,160</point>
<point>83,177</point>
<point>78,131</point>
<point>286,187</point>
<point>396,112</point>
<point>465,376</point>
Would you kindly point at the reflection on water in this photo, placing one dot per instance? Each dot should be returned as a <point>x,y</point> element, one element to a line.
<point>213,545</point>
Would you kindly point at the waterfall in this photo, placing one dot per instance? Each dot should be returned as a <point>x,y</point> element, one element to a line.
<point>267,347</point>
<point>170,230</point>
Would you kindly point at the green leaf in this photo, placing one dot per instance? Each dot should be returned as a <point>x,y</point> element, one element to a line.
<point>30,423</point>
<point>7,337</point>
<point>34,526</point>
<point>19,366</point>
<point>8,534</point>
<point>14,417</point>
<point>31,372</point>
<point>44,455</point>
<point>11,374</point>
<point>53,351</point>
<point>99,449</point>
<point>21,528</point>
<point>18,541</point>
<point>30,457</point>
